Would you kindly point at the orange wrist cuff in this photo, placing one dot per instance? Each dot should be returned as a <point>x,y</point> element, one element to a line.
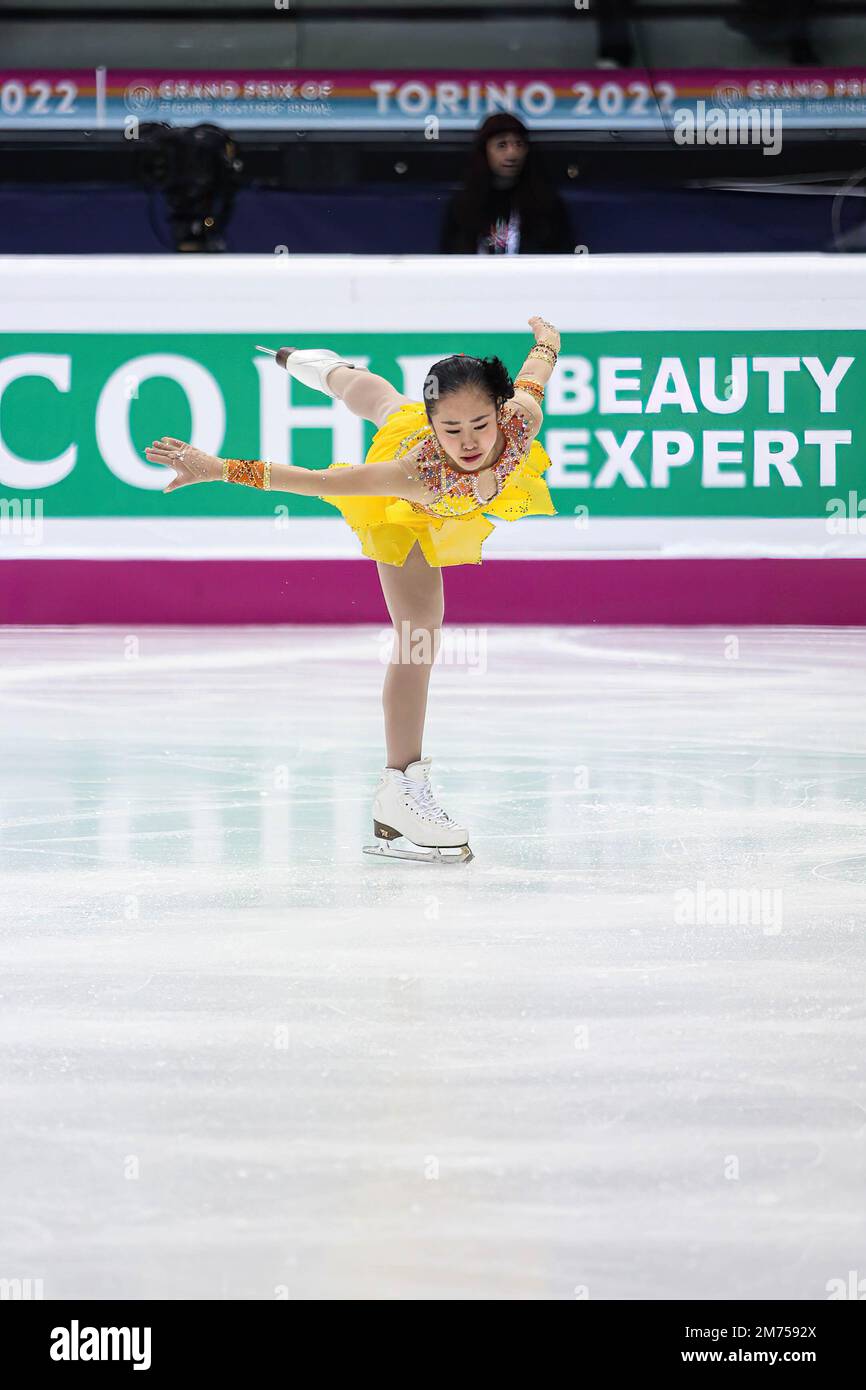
<point>249,472</point>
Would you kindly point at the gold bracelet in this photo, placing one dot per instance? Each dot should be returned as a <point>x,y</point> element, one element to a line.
<point>249,472</point>
<point>530,385</point>
<point>545,351</point>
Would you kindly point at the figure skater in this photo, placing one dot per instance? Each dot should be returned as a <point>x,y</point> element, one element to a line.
<point>419,502</point>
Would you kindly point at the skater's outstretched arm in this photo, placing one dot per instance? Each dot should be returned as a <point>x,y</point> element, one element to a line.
<point>536,371</point>
<point>394,478</point>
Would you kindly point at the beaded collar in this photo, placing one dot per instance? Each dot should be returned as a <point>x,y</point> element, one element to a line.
<point>434,469</point>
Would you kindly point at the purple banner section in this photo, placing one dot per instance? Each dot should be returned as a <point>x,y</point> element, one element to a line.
<point>548,592</point>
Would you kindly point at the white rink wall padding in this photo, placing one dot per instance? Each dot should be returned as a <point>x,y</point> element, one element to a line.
<point>704,409</point>
<point>339,294</point>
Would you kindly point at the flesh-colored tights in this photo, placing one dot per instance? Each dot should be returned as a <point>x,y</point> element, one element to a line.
<point>413,593</point>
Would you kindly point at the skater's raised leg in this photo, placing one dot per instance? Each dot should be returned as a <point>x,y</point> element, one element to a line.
<point>361,391</point>
<point>365,394</point>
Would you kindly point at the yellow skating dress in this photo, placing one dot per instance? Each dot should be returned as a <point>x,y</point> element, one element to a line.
<point>452,526</point>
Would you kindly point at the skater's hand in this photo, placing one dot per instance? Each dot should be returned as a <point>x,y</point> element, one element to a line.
<point>190,465</point>
<point>545,332</point>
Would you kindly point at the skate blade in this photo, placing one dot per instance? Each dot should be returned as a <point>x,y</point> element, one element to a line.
<point>420,854</point>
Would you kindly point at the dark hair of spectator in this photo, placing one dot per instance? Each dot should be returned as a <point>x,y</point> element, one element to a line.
<point>535,198</point>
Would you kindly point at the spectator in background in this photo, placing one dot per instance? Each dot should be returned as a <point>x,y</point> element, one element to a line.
<point>769,24</point>
<point>507,206</point>
<point>615,48</point>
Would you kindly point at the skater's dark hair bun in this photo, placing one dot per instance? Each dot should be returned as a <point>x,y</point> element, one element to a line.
<point>488,374</point>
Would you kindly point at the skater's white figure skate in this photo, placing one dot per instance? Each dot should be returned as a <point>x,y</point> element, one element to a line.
<point>311,366</point>
<point>404,809</point>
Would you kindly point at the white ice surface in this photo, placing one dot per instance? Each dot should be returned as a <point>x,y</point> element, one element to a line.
<point>240,1057</point>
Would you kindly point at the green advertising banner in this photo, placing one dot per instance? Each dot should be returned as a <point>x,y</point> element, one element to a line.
<point>694,423</point>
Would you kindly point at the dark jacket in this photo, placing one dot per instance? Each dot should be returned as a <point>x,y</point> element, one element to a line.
<point>543,224</point>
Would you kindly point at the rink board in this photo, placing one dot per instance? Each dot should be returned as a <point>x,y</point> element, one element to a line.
<point>561,592</point>
<point>704,425</point>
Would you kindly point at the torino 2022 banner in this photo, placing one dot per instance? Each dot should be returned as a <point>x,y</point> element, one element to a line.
<point>682,440</point>
<point>424,100</point>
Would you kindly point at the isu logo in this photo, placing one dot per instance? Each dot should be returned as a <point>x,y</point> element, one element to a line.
<point>727,94</point>
<point>138,97</point>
